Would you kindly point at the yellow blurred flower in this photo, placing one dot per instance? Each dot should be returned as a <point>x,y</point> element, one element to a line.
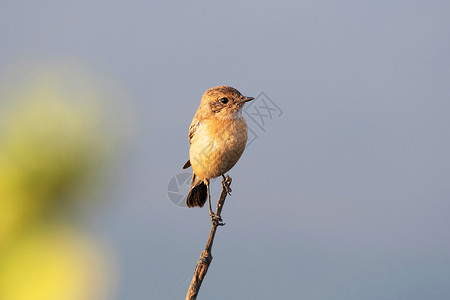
<point>49,144</point>
<point>54,141</point>
<point>55,262</point>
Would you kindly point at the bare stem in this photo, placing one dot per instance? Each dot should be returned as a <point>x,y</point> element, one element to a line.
<point>205,258</point>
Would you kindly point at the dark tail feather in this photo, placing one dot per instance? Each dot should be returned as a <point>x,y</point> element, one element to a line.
<point>197,195</point>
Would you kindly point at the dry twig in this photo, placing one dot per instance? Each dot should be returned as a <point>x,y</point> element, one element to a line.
<point>205,259</point>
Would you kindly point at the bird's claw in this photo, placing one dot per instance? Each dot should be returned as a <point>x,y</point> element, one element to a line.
<point>216,219</point>
<point>228,189</point>
<point>226,186</point>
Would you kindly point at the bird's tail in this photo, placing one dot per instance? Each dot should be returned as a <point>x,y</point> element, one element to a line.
<point>197,194</point>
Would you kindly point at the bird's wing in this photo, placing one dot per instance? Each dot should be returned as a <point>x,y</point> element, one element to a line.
<point>187,164</point>
<point>193,129</point>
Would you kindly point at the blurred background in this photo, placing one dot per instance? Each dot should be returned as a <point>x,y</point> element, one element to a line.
<point>343,192</point>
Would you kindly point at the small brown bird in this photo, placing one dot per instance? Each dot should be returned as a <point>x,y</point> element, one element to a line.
<point>217,136</point>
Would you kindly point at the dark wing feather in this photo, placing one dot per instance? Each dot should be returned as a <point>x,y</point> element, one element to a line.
<point>187,164</point>
<point>193,128</point>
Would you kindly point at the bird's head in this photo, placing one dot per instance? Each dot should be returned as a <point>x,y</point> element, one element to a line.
<point>223,102</point>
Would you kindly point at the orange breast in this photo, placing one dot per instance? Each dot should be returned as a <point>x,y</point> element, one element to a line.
<point>217,146</point>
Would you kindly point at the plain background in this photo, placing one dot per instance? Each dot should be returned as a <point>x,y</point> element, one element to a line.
<point>346,195</point>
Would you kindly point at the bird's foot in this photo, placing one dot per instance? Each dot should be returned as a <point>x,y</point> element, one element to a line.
<point>216,219</point>
<point>226,182</point>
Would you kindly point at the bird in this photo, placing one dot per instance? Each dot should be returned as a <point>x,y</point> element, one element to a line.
<point>217,137</point>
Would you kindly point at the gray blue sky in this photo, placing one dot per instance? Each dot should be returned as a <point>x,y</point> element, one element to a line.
<point>346,195</point>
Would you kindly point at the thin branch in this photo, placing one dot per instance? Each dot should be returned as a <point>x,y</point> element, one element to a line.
<point>205,258</point>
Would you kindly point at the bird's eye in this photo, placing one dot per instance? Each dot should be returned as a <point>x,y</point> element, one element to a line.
<point>224,100</point>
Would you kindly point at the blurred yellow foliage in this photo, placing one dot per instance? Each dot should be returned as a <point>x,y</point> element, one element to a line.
<point>55,262</point>
<point>53,142</point>
<point>48,145</point>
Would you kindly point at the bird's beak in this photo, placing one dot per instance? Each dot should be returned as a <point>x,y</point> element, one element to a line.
<point>246,99</point>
